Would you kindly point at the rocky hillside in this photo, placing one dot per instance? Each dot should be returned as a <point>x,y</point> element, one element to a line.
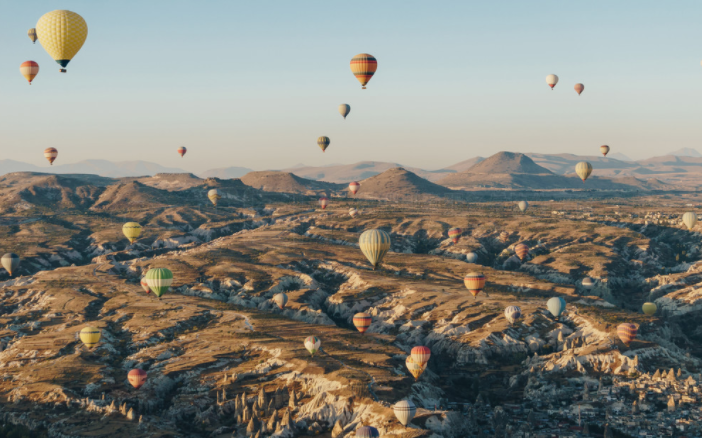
<point>286,182</point>
<point>399,184</point>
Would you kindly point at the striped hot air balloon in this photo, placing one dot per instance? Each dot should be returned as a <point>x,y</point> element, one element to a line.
<point>475,282</point>
<point>627,332</point>
<point>522,251</point>
<point>455,234</point>
<point>504,236</point>
<point>131,231</point>
<point>323,202</point>
<point>182,150</point>
<point>583,169</point>
<point>362,321</point>
<point>344,109</point>
<point>404,411</point>
<point>32,34</point>
<point>579,88</point>
<point>354,187</point>
<point>159,280</point>
<point>214,196</point>
<point>29,70</point>
<point>414,368</point>
<point>62,34</point>
<point>312,344</point>
<point>420,354</point>
<point>90,336</point>
<point>374,245</point>
<point>604,149</point>
<point>137,377</point>
<point>513,313</point>
<point>280,300</point>
<point>50,154</point>
<point>367,432</point>
<point>363,66</point>
<point>145,285</point>
<point>649,308</point>
<point>551,80</point>
<point>323,142</point>
<point>556,306</point>
<point>471,257</point>
<point>689,219</point>
<point>10,262</point>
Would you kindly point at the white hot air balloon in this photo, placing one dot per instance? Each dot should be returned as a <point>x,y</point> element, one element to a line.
<point>404,411</point>
<point>689,219</point>
<point>471,257</point>
<point>552,80</point>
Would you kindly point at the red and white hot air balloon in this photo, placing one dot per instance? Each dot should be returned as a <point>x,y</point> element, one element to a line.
<point>604,149</point>
<point>145,285</point>
<point>551,80</point>
<point>29,70</point>
<point>182,150</point>
<point>50,154</point>
<point>323,202</point>
<point>354,187</point>
<point>420,354</point>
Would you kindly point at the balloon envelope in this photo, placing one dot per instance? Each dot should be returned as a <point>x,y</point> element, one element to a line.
<point>363,66</point>
<point>145,285</point>
<point>588,283</point>
<point>604,149</point>
<point>62,34</point>
<point>353,212</point>
<point>367,432</point>
<point>344,109</point>
<point>132,231</point>
<point>29,70</point>
<point>689,219</point>
<point>552,80</point>
<point>354,187</point>
<point>10,262</point>
<point>475,282</point>
<point>280,300</point>
<point>159,280</point>
<point>32,34</point>
<point>50,154</point>
<point>649,308</point>
<point>556,306</point>
<point>362,321</point>
<point>374,245</point>
<point>513,313</point>
<point>420,354</point>
<point>455,234</point>
<point>90,336</point>
<point>414,368</point>
<point>471,257</point>
<point>583,169</point>
<point>137,377</point>
<point>312,344</point>
<point>323,143</point>
<point>579,88</point>
<point>522,251</point>
<point>214,196</point>
<point>182,150</point>
<point>523,205</point>
<point>323,202</point>
<point>404,411</point>
<point>627,332</point>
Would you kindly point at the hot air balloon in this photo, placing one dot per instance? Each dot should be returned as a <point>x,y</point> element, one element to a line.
<point>513,313</point>
<point>363,66</point>
<point>62,34</point>
<point>323,143</point>
<point>579,88</point>
<point>649,308</point>
<point>583,169</point>
<point>145,285</point>
<point>50,154</point>
<point>29,70</point>
<point>414,368</point>
<point>312,344</point>
<point>367,432</point>
<point>475,282</point>
<point>137,377</point>
<point>455,234</point>
<point>523,205</point>
<point>353,212</point>
<point>471,257</point>
<point>214,196</point>
<point>344,109</point>
<point>182,150</point>
<point>504,236</point>
<point>281,300</point>
<point>627,332</point>
<point>404,411</point>
<point>323,202</point>
<point>10,262</point>
<point>588,283</point>
<point>689,219</point>
<point>374,245</point>
<point>159,280</point>
<point>604,149</point>
<point>556,306</point>
<point>132,231</point>
<point>522,251</point>
<point>32,33</point>
<point>420,354</point>
<point>354,187</point>
<point>551,80</point>
<point>90,336</point>
<point>362,321</point>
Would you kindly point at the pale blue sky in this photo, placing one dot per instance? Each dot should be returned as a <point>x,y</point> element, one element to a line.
<point>254,84</point>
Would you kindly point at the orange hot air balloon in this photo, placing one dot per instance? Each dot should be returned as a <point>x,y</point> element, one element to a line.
<point>182,150</point>
<point>579,88</point>
<point>455,234</point>
<point>362,321</point>
<point>363,66</point>
<point>145,285</point>
<point>50,154</point>
<point>604,149</point>
<point>475,282</point>
<point>504,236</point>
<point>354,187</point>
<point>29,70</point>
<point>521,250</point>
<point>137,377</point>
<point>323,202</point>
<point>421,354</point>
<point>627,332</point>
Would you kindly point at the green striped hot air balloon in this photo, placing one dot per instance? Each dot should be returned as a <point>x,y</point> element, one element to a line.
<point>159,280</point>
<point>374,245</point>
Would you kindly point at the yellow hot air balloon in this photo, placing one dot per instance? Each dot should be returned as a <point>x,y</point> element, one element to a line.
<point>649,308</point>
<point>90,336</point>
<point>583,169</point>
<point>62,33</point>
<point>132,231</point>
<point>323,142</point>
<point>374,245</point>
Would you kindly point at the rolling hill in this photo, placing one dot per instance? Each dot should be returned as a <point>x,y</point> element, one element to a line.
<point>345,173</point>
<point>398,184</point>
<point>286,182</point>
